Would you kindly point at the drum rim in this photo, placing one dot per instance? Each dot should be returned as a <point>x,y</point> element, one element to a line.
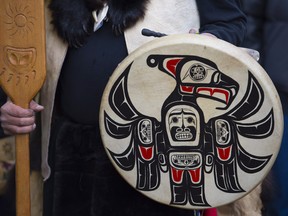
<point>218,45</point>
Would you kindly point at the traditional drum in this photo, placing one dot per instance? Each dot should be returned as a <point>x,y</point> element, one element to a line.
<point>191,121</point>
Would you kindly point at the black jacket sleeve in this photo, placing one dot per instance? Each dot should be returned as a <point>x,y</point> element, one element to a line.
<point>255,12</point>
<point>223,18</point>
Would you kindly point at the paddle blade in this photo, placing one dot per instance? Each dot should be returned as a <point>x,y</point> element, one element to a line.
<point>22,49</point>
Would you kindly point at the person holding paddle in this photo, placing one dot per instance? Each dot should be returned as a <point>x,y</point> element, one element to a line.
<point>86,40</point>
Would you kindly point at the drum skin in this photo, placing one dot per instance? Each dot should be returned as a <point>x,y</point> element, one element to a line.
<point>191,121</point>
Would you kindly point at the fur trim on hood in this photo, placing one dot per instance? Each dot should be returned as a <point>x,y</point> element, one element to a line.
<point>74,22</point>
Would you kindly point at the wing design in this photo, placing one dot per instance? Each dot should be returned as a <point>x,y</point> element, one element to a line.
<point>119,98</point>
<point>141,130</point>
<point>229,153</point>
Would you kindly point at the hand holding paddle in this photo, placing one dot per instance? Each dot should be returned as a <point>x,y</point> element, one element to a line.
<point>22,73</point>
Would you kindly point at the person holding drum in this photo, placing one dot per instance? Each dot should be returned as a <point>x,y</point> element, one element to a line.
<point>86,40</point>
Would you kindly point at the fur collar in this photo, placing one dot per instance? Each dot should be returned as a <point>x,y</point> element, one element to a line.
<point>74,22</point>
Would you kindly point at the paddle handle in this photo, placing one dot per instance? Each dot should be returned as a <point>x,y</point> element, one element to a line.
<point>22,171</point>
<point>22,168</point>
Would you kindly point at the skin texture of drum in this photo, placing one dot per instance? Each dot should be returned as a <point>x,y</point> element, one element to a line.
<point>191,121</point>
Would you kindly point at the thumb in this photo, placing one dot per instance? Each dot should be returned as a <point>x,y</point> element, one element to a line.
<point>35,106</point>
<point>193,31</point>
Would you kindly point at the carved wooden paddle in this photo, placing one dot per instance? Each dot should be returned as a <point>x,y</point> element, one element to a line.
<point>22,73</point>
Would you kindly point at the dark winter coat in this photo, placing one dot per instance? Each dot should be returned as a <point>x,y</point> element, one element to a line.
<point>267,32</point>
